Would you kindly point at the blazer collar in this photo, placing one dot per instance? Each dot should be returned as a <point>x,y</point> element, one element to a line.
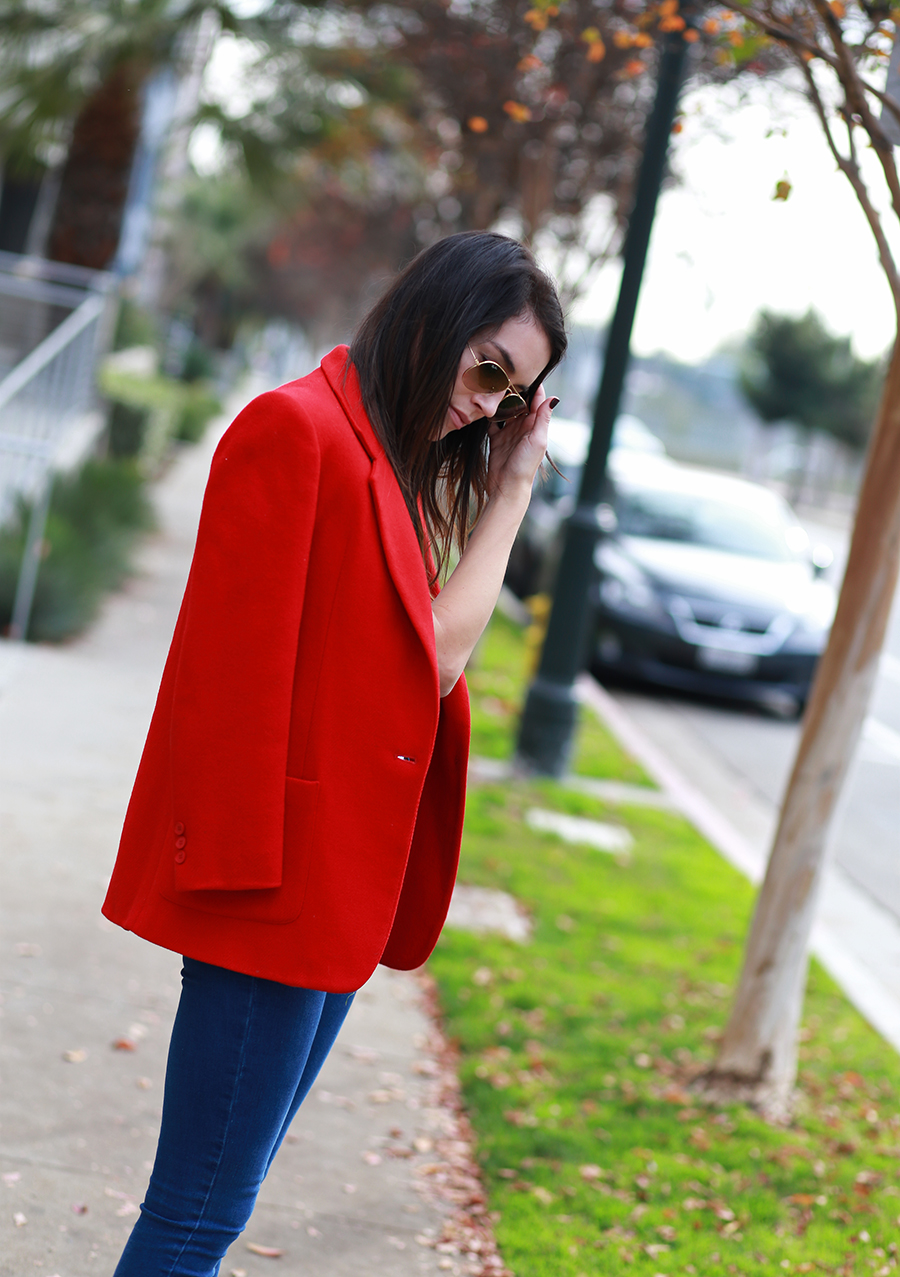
<point>344,382</point>
<point>398,537</point>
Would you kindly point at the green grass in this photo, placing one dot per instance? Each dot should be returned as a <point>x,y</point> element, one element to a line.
<point>497,679</point>
<point>577,1052</point>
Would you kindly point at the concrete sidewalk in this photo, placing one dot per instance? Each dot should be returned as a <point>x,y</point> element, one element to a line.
<point>88,1007</point>
<point>376,1164</point>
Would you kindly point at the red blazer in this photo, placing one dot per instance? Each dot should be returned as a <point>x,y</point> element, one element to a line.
<point>298,808</point>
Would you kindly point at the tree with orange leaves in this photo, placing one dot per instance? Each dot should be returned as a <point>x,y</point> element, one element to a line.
<point>837,51</point>
<point>533,111</point>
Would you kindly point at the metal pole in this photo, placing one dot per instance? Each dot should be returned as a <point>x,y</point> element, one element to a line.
<point>31,560</point>
<point>548,720</point>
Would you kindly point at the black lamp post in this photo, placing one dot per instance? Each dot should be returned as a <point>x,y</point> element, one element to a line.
<point>548,720</point>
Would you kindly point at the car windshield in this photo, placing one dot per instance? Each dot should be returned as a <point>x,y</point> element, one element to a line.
<point>763,533</point>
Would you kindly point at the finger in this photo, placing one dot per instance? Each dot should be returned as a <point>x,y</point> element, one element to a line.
<point>538,399</point>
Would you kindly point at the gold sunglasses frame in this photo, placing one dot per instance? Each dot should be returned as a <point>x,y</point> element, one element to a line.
<point>509,395</point>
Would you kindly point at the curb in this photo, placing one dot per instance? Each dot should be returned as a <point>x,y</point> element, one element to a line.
<point>843,907</point>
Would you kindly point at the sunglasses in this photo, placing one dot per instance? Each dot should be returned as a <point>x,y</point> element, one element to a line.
<point>489,378</point>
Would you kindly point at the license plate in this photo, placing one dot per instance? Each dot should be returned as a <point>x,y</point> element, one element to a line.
<point>725,662</point>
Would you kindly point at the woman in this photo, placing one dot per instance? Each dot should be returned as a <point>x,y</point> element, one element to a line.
<point>297,813</point>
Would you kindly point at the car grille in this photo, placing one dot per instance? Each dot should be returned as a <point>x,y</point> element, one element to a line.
<point>708,623</point>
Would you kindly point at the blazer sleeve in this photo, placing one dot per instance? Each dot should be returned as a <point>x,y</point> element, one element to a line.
<point>237,651</point>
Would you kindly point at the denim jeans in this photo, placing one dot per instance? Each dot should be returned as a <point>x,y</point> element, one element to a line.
<point>244,1053</point>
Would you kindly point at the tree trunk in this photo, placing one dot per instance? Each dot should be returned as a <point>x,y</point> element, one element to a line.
<point>757,1061</point>
<point>88,216</point>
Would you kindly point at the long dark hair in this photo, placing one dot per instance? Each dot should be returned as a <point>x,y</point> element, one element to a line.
<point>407,352</point>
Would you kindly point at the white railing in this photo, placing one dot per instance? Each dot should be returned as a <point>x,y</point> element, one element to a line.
<point>48,401</point>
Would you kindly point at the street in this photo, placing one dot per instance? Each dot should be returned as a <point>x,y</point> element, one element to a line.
<point>745,755</point>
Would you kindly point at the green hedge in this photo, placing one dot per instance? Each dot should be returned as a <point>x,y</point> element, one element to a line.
<point>149,411</point>
<point>94,517</point>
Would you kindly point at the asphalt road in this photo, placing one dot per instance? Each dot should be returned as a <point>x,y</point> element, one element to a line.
<point>757,748</point>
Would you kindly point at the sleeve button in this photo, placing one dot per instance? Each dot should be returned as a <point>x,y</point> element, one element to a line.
<point>179,857</point>
<point>181,842</point>
<point>179,828</point>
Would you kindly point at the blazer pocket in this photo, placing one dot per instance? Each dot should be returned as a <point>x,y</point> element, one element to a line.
<point>269,904</point>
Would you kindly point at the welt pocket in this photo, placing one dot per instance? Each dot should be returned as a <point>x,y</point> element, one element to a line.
<point>269,904</point>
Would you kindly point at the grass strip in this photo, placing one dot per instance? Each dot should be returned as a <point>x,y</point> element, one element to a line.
<point>497,678</point>
<point>578,1049</point>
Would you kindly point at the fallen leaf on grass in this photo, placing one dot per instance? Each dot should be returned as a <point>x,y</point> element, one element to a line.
<point>268,1252</point>
<point>19,1219</point>
<point>76,1056</point>
<point>80,1208</point>
<point>124,1044</point>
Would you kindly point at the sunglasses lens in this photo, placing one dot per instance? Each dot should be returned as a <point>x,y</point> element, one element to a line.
<point>486,377</point>
<point>512,405</point>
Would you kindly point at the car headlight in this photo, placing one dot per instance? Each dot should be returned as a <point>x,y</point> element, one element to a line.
<point>632,595</point>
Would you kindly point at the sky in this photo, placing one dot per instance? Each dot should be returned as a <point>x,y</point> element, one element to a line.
<point>723,248</point>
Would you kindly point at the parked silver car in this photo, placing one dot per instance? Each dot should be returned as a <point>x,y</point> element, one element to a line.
<point>708,583</point>
<point>704,581</point>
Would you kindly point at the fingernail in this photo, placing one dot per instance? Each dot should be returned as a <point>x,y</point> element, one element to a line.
<point>553,403</point>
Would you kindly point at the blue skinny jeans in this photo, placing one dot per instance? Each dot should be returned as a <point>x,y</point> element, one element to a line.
<point>244,1053</point>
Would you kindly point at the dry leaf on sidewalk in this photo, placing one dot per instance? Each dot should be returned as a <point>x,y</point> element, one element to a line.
<point>269,1252</point>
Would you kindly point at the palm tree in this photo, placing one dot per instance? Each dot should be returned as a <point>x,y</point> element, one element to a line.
<point>73,77</point>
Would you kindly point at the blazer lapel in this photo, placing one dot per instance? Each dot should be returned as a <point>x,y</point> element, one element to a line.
<point>398,537</point>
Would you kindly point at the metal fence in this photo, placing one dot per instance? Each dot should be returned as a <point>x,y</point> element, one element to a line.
<point>55,321</point>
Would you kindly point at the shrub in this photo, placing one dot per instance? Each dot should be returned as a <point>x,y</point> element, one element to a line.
<point>150,409</point>
<point>127,425</point>
<point>198,407</point>
<point>94,517</point>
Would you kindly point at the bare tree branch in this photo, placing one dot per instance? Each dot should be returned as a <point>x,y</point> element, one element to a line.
<point>850,168</point>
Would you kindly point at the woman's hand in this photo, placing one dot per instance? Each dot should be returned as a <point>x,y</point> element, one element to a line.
<point>463,607</point>
<point>517,448</point>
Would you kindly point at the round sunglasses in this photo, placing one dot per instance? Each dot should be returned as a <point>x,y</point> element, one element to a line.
<point>487,377</point>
